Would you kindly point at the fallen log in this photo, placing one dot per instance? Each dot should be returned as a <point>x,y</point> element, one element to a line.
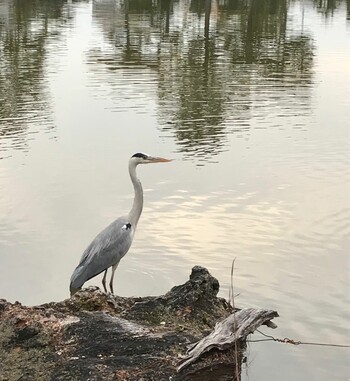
<point>97,336</point>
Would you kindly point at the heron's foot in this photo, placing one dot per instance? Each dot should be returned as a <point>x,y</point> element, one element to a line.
<point>112,301</point>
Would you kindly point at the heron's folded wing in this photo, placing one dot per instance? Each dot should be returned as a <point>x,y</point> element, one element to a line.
<point>104,251</point>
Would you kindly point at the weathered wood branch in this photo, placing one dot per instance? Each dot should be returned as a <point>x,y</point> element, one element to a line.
<point>228,332</point>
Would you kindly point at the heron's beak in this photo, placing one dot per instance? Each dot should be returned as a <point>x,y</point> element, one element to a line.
<point>159,160</point>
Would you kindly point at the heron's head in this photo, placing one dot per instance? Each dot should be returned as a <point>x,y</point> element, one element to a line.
<point>142,158</point>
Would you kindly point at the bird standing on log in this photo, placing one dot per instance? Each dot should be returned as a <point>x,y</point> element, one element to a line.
<point>112,243</point>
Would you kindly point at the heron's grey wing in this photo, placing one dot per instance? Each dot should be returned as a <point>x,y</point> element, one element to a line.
<point>105,250</point>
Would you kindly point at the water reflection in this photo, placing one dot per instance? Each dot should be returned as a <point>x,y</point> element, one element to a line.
<point>25,30</point>
<point>214,63</point>
<point>329,7</point>
<point>210,65</point>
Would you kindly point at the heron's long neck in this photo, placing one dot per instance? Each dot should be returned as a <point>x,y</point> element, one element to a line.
<point>136,209</point>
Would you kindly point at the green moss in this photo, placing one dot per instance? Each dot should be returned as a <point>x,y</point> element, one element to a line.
<point>18,362</point>
<point>156,316</point>
<point>6,332</point>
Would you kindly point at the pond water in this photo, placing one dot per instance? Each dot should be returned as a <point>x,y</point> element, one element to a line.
<point>252,100</point>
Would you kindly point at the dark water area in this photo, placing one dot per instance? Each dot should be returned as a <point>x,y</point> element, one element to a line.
<point>251,99</point>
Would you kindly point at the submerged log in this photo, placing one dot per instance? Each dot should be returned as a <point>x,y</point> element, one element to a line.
<point>96,336</point>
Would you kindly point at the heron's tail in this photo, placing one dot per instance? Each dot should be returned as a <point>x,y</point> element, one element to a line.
<point>73,290</point>
<point>75,283</point>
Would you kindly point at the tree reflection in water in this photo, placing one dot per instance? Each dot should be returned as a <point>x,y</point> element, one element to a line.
<point>214,63</point>
<point>24,37</point>
<point>328,7</point>
<point>212,60</point>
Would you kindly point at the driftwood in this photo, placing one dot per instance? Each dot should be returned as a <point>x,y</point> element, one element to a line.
<point>228,334</point>
<point>96,336</point>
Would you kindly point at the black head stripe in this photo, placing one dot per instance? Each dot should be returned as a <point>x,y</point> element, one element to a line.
<point>141,155</point>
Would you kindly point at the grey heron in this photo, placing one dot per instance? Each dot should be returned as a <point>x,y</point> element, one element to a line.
<point>112,243</point>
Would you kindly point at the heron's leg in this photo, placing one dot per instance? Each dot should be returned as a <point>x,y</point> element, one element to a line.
<point>111,281</point>
<point>104,281</point>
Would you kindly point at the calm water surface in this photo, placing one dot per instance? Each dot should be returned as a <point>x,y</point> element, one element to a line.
<point>251,99</point>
